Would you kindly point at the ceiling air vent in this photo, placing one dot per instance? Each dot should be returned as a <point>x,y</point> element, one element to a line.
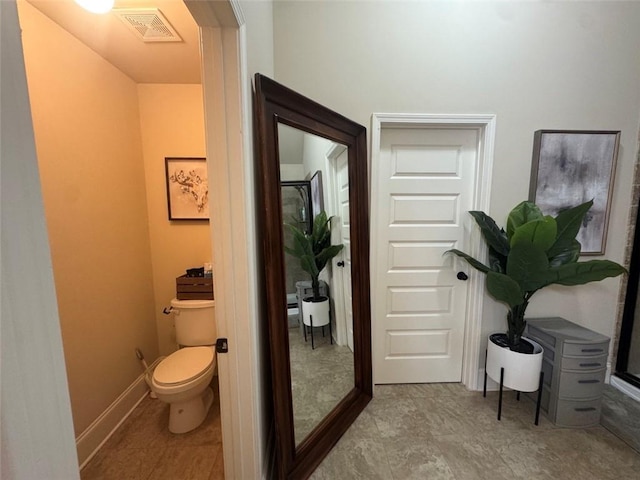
<point>148,24</point>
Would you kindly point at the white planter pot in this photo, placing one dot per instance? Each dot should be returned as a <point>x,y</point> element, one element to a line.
<point>521,370</point>
<point>319,311</point>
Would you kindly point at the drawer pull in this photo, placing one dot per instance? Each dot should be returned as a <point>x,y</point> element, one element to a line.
<point>585,409</point>
<point>594,364</point>
<point>589,381</point>
<point>592,350</point>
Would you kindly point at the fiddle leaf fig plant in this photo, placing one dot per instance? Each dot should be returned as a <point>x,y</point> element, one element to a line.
<point>314,249</point>
<point>535,251</point>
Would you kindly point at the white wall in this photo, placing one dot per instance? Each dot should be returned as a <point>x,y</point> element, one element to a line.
<point>571,65</point>
<point>87,130</point>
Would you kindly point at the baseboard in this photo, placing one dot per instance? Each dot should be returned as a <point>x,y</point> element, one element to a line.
<point>89,442</point>
<point>625,388</point>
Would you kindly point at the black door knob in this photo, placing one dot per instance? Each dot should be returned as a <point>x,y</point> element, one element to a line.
<point>340,263</point>
<point>462,276</point>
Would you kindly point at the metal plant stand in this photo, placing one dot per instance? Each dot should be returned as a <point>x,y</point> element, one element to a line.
<point>484,391</point>
<point>304,328</point>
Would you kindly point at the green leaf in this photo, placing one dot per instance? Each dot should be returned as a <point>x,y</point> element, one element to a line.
<point>522,213</point>
<point>569,254</point>
<point>497,261</point>
<point>308,264</point>
<point>584,272</point>
<point>327,254</point>
<point>493,235</point>
<point>472,261</point>
<point>504,289</point>
<point>525,262</point>
<point>314,250</point>
<point>569,222</point>
<point>542,233</point>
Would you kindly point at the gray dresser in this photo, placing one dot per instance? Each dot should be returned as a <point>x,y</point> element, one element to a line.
<point>574,366</point>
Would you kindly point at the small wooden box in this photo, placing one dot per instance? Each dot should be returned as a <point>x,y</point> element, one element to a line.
<point>194,288</point>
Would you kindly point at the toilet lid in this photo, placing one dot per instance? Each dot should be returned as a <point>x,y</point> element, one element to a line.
<point>183,365</point>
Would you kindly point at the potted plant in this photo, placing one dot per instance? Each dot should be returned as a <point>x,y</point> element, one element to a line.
<point>314,250</point>
<point>535,251</point>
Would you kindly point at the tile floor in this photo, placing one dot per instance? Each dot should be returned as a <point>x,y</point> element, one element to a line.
<point>320,378</point>
<point>144,449</point>
<point>621,416</point>
<point>426,432</point>
<point>443,431</point>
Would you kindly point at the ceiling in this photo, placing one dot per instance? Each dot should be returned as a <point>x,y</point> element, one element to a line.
<point>144,62</point>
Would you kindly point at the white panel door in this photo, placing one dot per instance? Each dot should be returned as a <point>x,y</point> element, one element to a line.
<point>342,174</point>
<point>424,191</point>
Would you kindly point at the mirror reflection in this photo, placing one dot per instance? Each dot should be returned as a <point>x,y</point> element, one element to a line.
<point>314,179</point>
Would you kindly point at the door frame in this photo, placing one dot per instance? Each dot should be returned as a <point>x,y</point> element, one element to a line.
<point>485,125</point>
<point>227,107</point>
<point>337,276</point>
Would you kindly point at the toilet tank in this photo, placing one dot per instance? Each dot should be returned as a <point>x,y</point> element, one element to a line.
<point>195,322</point>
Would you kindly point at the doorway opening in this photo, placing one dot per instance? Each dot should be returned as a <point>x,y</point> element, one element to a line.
<point>106,206</point>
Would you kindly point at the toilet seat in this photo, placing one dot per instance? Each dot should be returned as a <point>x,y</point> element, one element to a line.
<point>183,366</point>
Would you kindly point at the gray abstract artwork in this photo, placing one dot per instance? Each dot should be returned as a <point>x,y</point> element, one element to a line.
<point>574,168</point>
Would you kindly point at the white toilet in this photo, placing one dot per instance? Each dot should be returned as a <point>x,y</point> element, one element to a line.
<point>183,378</point>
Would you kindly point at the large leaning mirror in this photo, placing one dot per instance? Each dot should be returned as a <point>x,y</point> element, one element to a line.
<point>312,162</point>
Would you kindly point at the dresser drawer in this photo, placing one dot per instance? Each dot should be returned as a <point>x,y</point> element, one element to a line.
<point>537,334</point>
<point>581,384</point>
<point>582,363</point>
<point>585,349</point>
<point>573,413</point>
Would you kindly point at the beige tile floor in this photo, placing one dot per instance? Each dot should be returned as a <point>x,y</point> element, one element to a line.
<point>320,378</point>
<point>443,431</point>
<point>144,449</point>
<point>426,432</point>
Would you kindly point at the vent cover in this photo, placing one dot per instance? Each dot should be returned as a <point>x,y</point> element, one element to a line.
<point>148,24</point>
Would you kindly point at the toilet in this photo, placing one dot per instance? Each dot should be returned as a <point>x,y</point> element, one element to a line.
<point>183,378</point>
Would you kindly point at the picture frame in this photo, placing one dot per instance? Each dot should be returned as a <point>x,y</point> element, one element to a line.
<point>571,167</point>
<point>317,195</point>
<point>187,188</point>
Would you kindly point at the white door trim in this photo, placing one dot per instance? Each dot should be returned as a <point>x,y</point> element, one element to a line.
<point>486,126</point>
<point>337,278</point>
<point>227,97</point>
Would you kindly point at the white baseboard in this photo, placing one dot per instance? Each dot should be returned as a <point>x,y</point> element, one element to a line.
<point>625,388</point>
<point>89,442</point>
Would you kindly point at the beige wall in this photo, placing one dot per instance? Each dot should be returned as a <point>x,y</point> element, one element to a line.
<point>86,122</point>
<point>536,65</point>
<point>172,125</point>
<point>101,142</point>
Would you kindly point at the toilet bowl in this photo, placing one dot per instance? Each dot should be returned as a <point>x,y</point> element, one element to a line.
<point>183,381</point>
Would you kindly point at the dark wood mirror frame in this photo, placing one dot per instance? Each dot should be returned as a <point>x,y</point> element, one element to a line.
<point>276,104</point>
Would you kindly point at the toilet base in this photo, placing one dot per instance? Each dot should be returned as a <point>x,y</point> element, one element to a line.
<point>188,415</point>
